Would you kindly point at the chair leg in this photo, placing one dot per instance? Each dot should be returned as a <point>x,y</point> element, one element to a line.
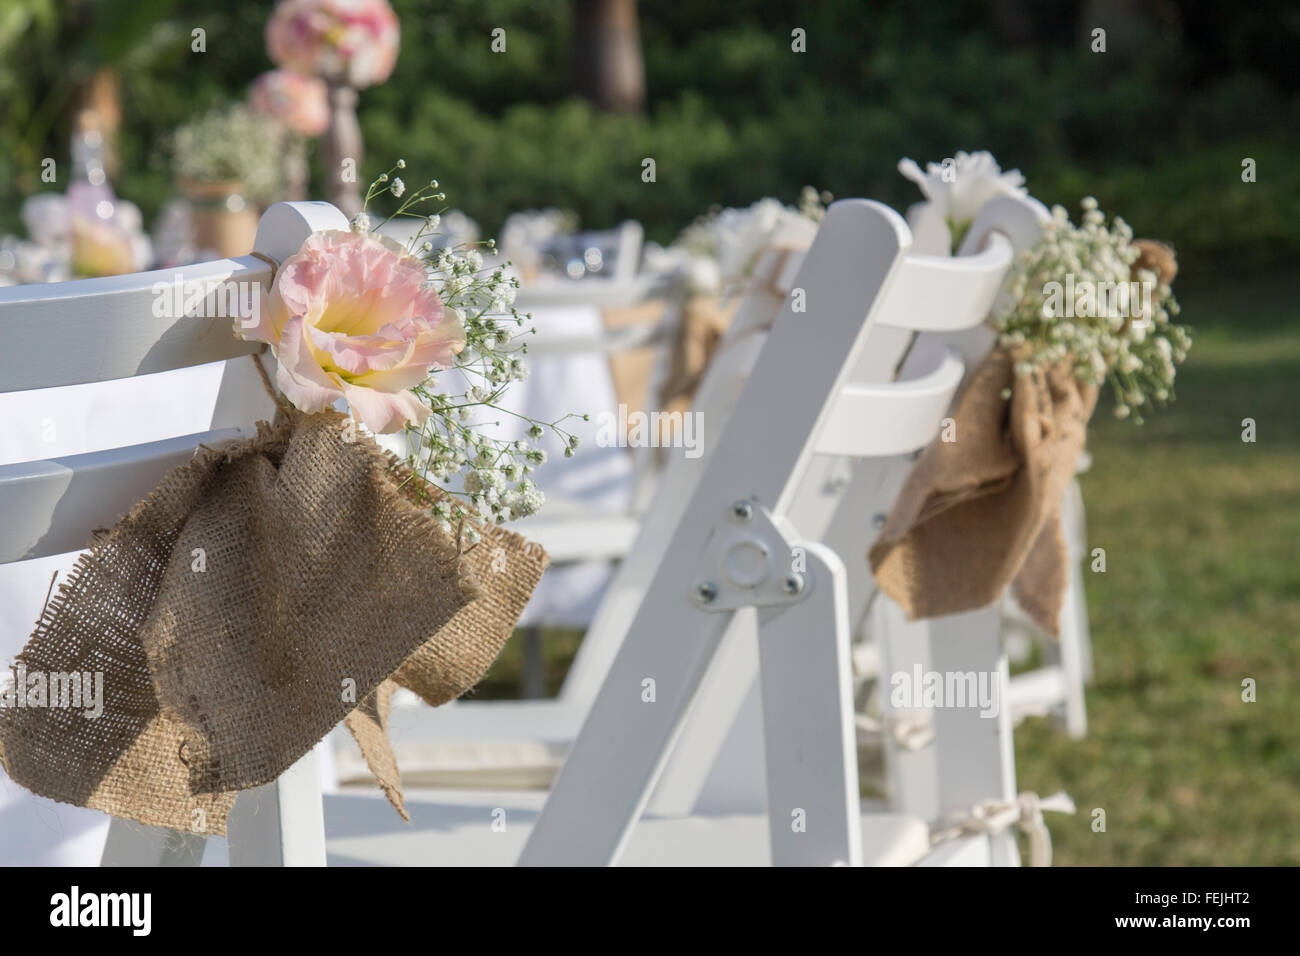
<point>1074,520</point>
<point>904,645</point>
<point>281,823</point>
<point>133,844</point>
<point>974,753</point>
<point>814,811</point>
<point>625,740</point>
<point>718,705</point>
<point>1073,661</point>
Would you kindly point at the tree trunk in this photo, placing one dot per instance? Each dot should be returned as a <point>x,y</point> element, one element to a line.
<point>608,68</point>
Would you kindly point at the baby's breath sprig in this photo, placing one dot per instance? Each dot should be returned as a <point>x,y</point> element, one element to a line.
<point>496,475</point>
<point>1075,296</point>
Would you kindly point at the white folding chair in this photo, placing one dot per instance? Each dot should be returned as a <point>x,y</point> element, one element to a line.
<point>488,738</point>
<point>730,555</point>
<point>95,330</point>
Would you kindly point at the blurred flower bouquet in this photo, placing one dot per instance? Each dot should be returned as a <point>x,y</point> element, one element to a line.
<point>227,162</point>
<point>1095,298</point>
<point>70,241</point>
<point>527,234</point>
<point>1082,306</point>
<point>350,45</point>
<point>297,104</point>
<point>711,264</point>
<point>717,254</point>
<point>356,315</point>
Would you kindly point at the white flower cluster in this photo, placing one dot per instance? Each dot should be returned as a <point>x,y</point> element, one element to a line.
<point>233,144</point>
<point>718,252</point>
<point>495,474</point>
<point>1075,297</point>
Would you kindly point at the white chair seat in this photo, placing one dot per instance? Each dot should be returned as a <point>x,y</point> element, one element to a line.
<point>455,828</point>
<point>463,763</point>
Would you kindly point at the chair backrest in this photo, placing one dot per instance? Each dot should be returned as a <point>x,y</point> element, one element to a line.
<point>842,503</point>
<point>94,330</point>
<point>798,401</point>
<point>873,416</point>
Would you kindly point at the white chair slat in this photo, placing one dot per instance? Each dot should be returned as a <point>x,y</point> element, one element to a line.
<point>602,293</point>
<point>612,340</point>
<point>596,537</point>
<point>92,330</point>
<point>943,294</point>
<point>631,236</point>
<point>50,507</point>
<point>891,418</point>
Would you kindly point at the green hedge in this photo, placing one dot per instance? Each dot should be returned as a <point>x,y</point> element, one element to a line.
<point>1156,128</point>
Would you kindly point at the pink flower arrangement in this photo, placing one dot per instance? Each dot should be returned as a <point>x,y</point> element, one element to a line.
<point>347,41</point>
<point>294,99</point>
<point>351,316</point>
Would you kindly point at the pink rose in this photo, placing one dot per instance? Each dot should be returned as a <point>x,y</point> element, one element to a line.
<point>296,100</point>
<point>350,41</point>
<point>350,316</point>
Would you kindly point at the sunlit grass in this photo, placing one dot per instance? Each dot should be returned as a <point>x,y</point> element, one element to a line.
<point>1201,591</point>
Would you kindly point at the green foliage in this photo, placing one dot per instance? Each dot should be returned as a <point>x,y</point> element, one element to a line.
<point>1156,128</point>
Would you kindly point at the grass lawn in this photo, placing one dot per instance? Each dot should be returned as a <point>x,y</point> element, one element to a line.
<point>1201,590</point>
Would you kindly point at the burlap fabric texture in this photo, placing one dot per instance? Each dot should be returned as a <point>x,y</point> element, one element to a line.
<point>263,592</point>
<point>981,513</point>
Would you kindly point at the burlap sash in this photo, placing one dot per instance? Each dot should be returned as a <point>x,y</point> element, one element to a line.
<point>247,605</point>
<point>704,321</point>
<point>982,512</point>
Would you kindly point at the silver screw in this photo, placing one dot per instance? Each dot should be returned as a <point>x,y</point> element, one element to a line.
<point>742,511</point>
<point>793,584</point>
<point>706,592</point>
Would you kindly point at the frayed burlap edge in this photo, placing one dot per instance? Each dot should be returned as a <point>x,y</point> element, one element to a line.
<point>421,672</point>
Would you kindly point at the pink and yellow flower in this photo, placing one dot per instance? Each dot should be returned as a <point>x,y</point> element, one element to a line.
<point>349,41</point>
<point>351,316</point>
<point>294,99</point>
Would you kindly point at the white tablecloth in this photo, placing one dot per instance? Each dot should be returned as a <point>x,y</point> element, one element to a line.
<point>596,478</point>
<point>56,422</point>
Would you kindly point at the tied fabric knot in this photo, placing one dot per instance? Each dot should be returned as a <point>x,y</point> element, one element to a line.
<point>910,732</point>
<point>992,817</point>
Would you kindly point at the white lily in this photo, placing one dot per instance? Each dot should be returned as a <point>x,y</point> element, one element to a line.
<point>957,188</point>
